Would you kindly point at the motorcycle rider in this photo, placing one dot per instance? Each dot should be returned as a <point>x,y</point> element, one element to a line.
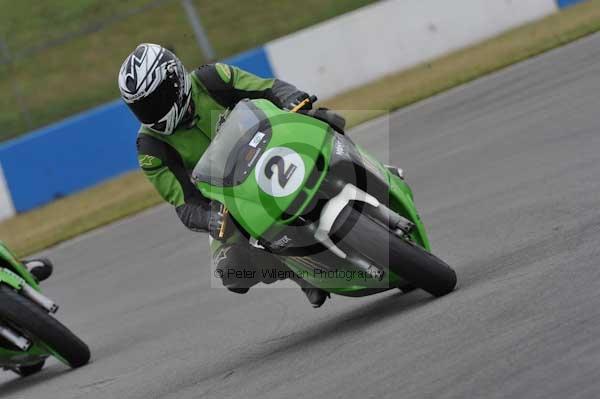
<point>176,110</point>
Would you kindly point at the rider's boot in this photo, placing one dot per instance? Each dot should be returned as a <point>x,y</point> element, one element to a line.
<point>315,296</point>
<point>227,265</point>
<point>228,259</point>
<point>40,268</point>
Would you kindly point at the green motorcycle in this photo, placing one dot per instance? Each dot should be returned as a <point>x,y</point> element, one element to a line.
<point>28,332</point>
<point>297,187</point>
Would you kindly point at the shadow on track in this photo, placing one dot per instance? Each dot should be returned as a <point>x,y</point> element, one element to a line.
<point>266,350</point>
<point>354,320</point>
<point>20,383</point>
<point>270,349</point>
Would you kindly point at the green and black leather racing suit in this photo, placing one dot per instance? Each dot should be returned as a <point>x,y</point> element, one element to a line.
<point>167,161</point>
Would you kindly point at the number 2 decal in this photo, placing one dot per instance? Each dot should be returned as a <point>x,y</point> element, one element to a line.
<point>279,171</point>
<point>283,177</point>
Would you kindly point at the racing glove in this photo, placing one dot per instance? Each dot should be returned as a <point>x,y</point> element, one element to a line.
<point>204,217</point>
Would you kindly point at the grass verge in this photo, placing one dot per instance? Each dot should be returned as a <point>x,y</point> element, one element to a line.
<point>70,216</point>
<point>131,193</point>
<point>81,44</point>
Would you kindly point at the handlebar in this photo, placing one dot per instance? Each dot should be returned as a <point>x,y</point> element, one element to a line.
<point>310,100</point>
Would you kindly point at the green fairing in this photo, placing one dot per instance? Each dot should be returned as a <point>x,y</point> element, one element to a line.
<point>16,358</point>
<point>257,212</point>
<point>401,199</point>
<point>11,278</point>
<point>10,260</point>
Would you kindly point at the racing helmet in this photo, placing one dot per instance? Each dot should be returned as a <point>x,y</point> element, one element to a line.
<point>155,86</point>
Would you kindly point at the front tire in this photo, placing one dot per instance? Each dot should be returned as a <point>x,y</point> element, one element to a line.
<point>32,320</point>
<point>358,232</point>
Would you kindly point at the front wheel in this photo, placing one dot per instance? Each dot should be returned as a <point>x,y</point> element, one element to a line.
<point>360,233</point>
<point>33,321</point>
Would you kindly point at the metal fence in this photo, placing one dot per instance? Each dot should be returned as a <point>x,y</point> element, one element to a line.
<point>96,26</point>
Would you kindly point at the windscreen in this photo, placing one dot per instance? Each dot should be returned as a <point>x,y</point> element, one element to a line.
<point>230,156</point>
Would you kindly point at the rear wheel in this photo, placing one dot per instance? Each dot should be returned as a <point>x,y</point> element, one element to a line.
<point>32,320</point>
<point>358,232</point>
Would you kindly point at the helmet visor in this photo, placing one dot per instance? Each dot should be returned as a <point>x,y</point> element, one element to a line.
<point>152,108</point>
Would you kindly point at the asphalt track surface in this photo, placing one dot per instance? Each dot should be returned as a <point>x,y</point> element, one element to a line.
<point>506,173</point>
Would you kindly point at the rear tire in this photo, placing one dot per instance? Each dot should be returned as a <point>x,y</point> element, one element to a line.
<point>32,320</point>
<point>358,232</point>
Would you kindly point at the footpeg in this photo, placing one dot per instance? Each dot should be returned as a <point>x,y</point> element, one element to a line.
<point>404,226</point>
<point>396,171</point>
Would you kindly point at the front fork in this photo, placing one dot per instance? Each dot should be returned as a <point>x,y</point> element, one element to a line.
<point>15,338</point>
<point>15,281</point>
<point>399,225</point>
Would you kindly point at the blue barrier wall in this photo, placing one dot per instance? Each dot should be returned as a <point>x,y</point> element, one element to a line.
<point>255,61</point>
<point>84,150</point>
<point>69,156</point>
<point>567,3</point>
